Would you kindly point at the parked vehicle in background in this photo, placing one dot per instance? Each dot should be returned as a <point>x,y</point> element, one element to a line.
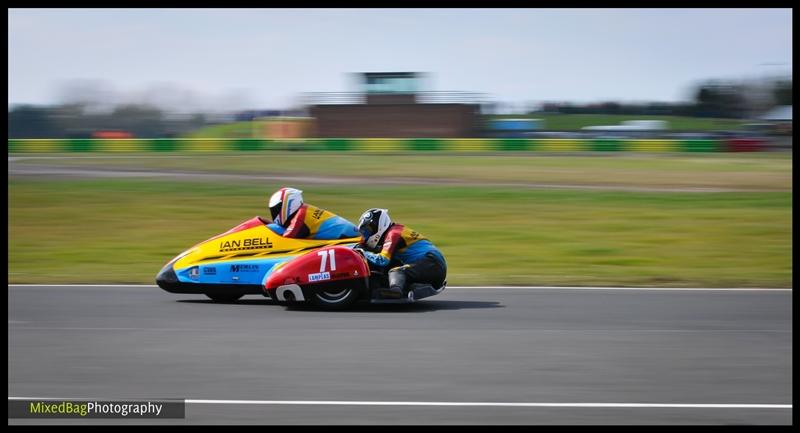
<point>513,128</point>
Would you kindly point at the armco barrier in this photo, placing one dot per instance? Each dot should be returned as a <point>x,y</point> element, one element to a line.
<point>201,145</point>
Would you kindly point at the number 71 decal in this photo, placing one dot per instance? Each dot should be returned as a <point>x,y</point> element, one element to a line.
<point>324,255</point>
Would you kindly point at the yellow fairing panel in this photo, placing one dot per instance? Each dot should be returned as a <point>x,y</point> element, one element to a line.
<point>253,242</point>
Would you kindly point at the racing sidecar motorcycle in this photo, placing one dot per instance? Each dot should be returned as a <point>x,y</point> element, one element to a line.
<point>251,258</point>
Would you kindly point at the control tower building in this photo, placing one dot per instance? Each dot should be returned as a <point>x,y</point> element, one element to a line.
<point>391,105</point>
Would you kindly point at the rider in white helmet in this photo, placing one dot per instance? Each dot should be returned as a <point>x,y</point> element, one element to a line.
<point>409,256</point>
<point>292,218</point>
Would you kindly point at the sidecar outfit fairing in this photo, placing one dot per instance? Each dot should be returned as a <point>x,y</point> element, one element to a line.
<point>235,263</point>
<point>253,258</point>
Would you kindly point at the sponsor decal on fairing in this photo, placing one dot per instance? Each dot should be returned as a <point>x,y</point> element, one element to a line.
<point>319,276</point>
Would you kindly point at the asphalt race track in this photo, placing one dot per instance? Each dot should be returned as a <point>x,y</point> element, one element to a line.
<point>632,350</point>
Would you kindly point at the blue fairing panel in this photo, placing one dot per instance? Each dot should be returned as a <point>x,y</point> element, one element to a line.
<point>231,272</point>
<point>336,228</point>
<point>276,228</point>
<point>332,228</point>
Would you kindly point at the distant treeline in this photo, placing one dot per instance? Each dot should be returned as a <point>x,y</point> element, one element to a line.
<point>711,99</point>
<point>650,109</point>
<point>75,120</point>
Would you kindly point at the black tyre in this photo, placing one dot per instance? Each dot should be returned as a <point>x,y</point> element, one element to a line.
<point>334,299</point>
<point>224,297</point>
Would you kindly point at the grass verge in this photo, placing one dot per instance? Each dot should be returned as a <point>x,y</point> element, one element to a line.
<point>124,230</point>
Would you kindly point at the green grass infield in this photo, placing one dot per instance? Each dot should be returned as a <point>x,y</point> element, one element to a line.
<point>124,230</point>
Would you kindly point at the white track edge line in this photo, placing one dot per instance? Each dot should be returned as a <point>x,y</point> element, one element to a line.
<point>456,404</point>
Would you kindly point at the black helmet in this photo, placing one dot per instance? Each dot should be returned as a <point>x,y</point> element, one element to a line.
<point>372,225</point>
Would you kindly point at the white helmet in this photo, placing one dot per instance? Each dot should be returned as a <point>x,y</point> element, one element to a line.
<point>284,203</point>
<point>372,225</point>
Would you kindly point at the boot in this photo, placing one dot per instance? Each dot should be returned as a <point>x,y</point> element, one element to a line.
<point>397,282</point>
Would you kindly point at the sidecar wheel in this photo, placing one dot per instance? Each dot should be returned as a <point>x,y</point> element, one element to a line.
<point>333,299</point>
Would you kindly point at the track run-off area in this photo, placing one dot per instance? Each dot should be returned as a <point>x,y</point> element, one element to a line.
<point>472,355</point>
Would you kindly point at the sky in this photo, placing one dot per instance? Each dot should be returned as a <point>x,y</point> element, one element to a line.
<point>266,58</point>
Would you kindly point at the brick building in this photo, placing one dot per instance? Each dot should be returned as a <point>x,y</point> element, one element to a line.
<point>390,106</point>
